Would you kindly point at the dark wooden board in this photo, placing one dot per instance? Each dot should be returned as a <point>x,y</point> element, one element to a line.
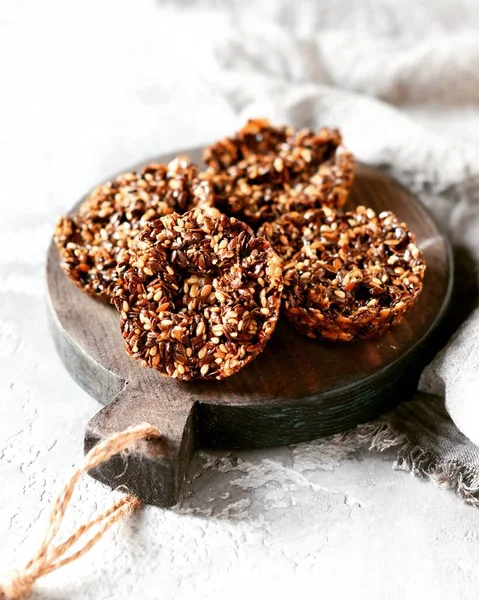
<point>296,390</point>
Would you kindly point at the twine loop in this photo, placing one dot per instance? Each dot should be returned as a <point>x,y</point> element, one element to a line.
<point>50,557</point>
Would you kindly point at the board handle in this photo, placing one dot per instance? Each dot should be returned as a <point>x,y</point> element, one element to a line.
<point>153,470</point>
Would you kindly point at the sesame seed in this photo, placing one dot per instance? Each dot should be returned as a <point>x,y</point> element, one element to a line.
<point>206,291</point>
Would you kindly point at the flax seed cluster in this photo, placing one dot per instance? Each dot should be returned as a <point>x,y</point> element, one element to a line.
<point>110,218</point>
<point>347,276</point>
<point>199,293</point>
<point>264,172</point>
<point>199,297</point>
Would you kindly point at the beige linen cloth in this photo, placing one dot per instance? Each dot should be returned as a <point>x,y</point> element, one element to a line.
<point>402,82</point>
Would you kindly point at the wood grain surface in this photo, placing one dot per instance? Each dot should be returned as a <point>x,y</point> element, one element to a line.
<point>296,390</point>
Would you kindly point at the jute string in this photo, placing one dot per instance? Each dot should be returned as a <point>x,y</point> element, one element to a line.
<point>50,557</point>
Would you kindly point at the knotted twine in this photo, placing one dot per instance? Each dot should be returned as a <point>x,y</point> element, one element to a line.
<point>49,557</point>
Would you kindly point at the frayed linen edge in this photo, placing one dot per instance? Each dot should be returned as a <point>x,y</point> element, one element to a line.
<point>410,457</point>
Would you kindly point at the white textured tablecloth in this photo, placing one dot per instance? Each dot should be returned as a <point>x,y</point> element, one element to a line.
<point>89,88</point>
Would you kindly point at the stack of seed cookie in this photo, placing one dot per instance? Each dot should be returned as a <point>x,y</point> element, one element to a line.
<point>199,264</point>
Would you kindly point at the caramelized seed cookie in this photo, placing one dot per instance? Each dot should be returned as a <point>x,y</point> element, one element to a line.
<point>264,171</point>
<point>110,218</point>
<point>347,277</point>
<point>199,297</point>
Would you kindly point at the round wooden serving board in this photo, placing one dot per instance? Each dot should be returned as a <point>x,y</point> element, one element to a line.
<point>296,390</point>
